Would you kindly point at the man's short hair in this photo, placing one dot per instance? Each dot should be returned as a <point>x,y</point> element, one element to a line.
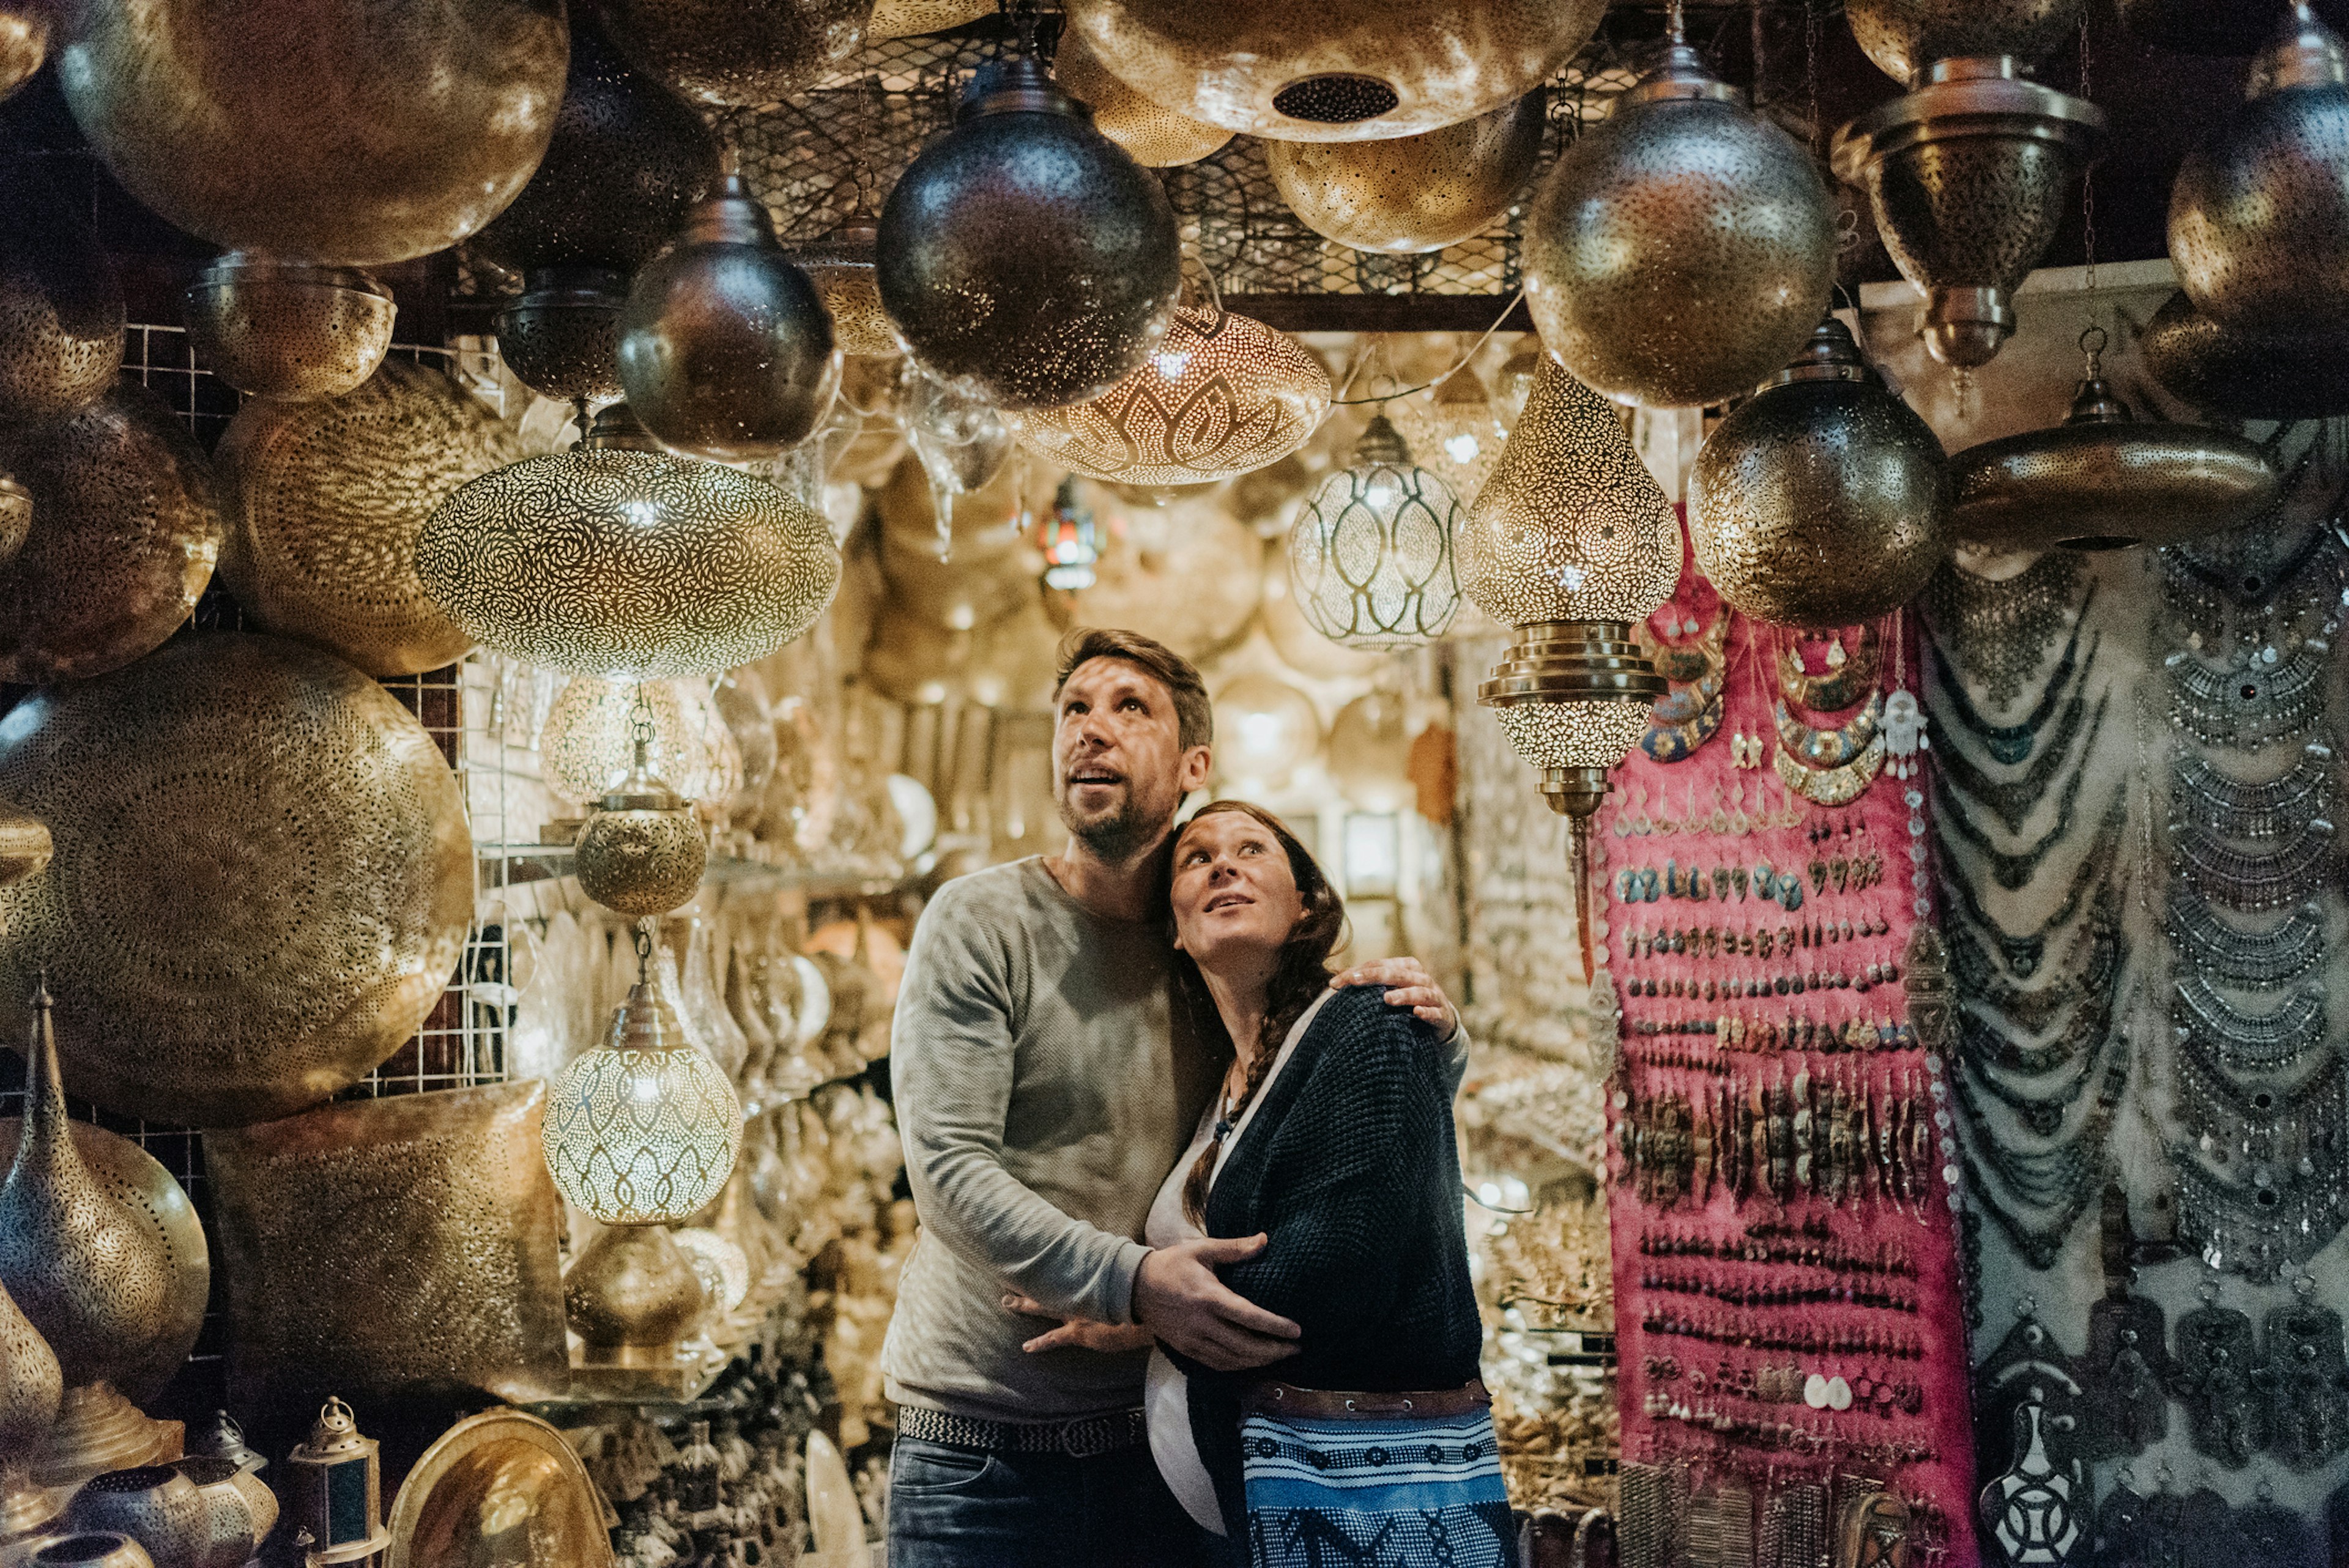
<point>1195,715</point>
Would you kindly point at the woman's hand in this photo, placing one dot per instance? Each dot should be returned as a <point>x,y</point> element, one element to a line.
<point>1080,1332</point>
<point>1408,984</point>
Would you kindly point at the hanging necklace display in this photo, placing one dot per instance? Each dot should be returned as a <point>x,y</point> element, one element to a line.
<point>1851,671</point>
<point>2246,960</point>
<point>2010,744</point>
<point>2041,1110</point>
<point>2245,572</point>
<point>1831,785</point>
<point>1998,632</point>
<point>2251,705</point>
<point>2011,869</point>
<point>2269,810</point>
<point>2291,872</point>
<point>2086,971</point>
<point>1690,715</point>
<point>1835,746</point>
<point>2056,1185</point>
<point>2308,1373</point>
<point>2218,1369</point>
<point>2023,953</point>
<point>2242,1042</point>
<point>2289,1202</point>
<point>2012,800</point>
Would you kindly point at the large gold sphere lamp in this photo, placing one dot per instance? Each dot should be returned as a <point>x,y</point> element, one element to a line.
<point>1334,70</point>
<point>1823,500</point>
<point>726,350</point>
<point>1154,136</point>
<point>1905,37</point>
<point>2259,219</point>
<point>1221,395</point>
<point>1571,541</point>
<point>1027,261</point>
<point>727,52</point>
<point>291,330</point>
<point>2243,375</point>
<point>2102,481</point>
<point>1682,250</point>
<point>334,131</point>
<point>641,1132</point>
<point>620,559</point>
<point>643,850</point>
<point>1406,194</point>
<point>1370,557</point>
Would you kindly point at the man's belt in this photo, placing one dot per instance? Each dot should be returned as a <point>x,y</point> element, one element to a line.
<point>1081,1439</point>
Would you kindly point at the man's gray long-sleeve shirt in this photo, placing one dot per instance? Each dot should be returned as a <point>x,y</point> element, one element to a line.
<point>1044,1088</point>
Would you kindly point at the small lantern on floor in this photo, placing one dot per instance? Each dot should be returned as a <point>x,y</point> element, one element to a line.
<point>334,1489</point>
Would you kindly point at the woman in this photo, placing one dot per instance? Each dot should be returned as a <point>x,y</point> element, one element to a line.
<point>1332,1137</point>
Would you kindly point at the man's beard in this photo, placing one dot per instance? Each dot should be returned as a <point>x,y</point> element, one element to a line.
<point>1117,836</point>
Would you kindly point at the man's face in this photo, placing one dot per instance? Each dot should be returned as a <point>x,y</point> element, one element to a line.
<point>1119,767</point>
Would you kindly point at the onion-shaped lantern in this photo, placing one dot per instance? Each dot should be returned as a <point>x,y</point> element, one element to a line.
<point>1822,501</point>
<point>620,559</point>
<point>1406,194</point>
<point>1334,70</point>
<point>2259,219</point>
<point>644,849</point>
<point>351,134</point>
<point>726,350</point>
<point>1966,177</point>
<point>291,330</point>
<point>1903,36</point>
<point>1370,555</point>
<point>725,52</point>
<point>61,313</point>
<point>23,42</point>
<point>1026,260</point>
<point>2235,374</point>
<point>2101,480</point>
<point>1680,251</point>
<point>1219,396</point>
<point>1152,134</point>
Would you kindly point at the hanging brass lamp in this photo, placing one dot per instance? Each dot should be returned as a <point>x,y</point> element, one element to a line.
<point>61,312</point>
<point>2259,219</point>
<point>1334,70</point>
<point>621,560</point>
<point>643,850</point>
<point>726,349</point>
<point>1406,194</point>
<point>336,132</point>
<point>1904,37</point>
<point>562,336</point>
<point>1682,250</point>
<point>1966,177</point>
<point>1027,261</point>
<point>291,330</point>
<point>2102,481</point>
<point>1823,500</point>
<point>1154,136</point>
<point>839,265</point>
<point>1370,558</point>
<point>725,52</point>
<point>2235,374</point>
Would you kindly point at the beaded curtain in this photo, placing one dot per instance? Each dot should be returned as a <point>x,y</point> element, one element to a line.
<point>1788,1307</point>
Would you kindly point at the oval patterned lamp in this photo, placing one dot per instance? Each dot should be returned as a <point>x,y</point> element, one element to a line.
<point>1370,555</point>
<point>1219,396</point>
<point>618,559</point>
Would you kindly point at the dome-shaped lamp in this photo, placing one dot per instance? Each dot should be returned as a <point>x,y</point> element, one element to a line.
<point>643,850</point>
<point>2102,481</point>
<point>1904,37</point>
<point>291,330</point>
<point>1680,251</point>
<point>1966,177</point>
<point>726,350</point>
<point>1153,135</point>
<point>2259,219</point>
<point>2236,373</point>
<point>1025,258</point>
<point>561,337</point>
<point>725,52</point>
<point>1821,502</point>
<point>1219,396</point>
<point>1369,557</point>
<point>1571,541</point>
<point>1408,194</point>
<point>618,559</point>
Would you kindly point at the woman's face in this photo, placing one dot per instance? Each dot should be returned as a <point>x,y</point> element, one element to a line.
<point>1235,900</point>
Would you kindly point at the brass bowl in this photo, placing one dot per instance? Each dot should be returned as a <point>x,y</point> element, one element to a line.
<point>288,329</point>
<point>500,1487</point>
<point>336,132</point>
<point>562,337</point>
<point>2246,375</point>
<point>725,52</point>
<point>1904,37</point>
<point>1334,70</point>
<point>15,518</point>
<point>231,942</point>
<point>61,310</point>
<point>126,527</point>
<point>327,501</point>
<point>1407,194</point>
<point>23,42</point>
<point>1153,135</point>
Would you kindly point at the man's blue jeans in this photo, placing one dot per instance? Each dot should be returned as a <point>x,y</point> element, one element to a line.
<point>959,1507</point>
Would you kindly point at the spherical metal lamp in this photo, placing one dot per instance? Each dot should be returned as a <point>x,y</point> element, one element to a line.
<point>1219,396</point>
<point>727,52</point>
<point>1682,250</point>
<point>1370,557</point>
<point>2259,219</point>
<point>561,337</point>
<point>291,330</point>
<point>1455,428</point>
<point>618,559</point>
<point>643,851</point>
<point>1406,194</point>
<point>2236,373</point>
<point>1025,258</point>
<point>726,350</point>
<point>1822,501</point>
<point>587,746</point>
<point>1334,70</point>
<point>1153,135</point>
<point>319,130</point>
<point>2101,480</point>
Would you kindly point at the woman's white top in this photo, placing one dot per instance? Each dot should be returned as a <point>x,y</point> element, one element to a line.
<point>1166,1395</point>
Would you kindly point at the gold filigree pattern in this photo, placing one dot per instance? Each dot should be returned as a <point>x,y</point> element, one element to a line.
<point>643,1130</point>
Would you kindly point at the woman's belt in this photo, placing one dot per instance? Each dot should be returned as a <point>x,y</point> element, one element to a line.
<point>1341,1405</point>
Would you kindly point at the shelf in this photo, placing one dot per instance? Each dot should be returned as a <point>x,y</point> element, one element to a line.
<point>513,865</point>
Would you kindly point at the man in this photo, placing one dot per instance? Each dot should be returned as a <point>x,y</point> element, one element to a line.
<point>1045,1085</point>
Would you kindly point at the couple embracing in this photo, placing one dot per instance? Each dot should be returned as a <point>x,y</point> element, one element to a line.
<point>1192,1285</point>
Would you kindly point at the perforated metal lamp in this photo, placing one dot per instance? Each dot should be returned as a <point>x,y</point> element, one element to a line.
<point>1371,556</point>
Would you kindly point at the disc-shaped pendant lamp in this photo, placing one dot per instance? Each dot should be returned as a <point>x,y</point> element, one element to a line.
<point>1823,500</point>
<point>319,130</point>
<point>1334,70</point>
<point>562,336</point>
<point>620,559</point>
<point>1153,135</point>
<point>1406,194</point>
<point>2259,219</point>
<point>1026,260</point>
<point>1680,251</point>
<point>739,52</point>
